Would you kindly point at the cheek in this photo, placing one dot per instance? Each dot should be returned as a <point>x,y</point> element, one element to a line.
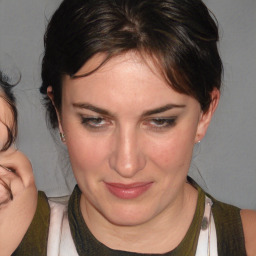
<point>174,151</point>
<point>85,155</point>
<point>171,154</point>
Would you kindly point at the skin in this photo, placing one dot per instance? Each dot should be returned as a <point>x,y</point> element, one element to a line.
<point>249,226</point>
<point>5,118</point>
<point>14,217</point>
<point>112,137</point>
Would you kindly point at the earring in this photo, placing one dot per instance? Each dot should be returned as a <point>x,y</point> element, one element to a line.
<point>197,149</point>
<point>62,137</point>
<point>198,137</point>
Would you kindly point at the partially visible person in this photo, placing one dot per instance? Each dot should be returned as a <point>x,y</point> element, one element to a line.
<point>18,195</point>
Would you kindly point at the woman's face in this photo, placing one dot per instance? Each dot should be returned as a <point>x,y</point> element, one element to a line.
<point>130,139</point>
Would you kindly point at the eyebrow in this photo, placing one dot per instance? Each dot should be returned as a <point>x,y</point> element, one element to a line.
<point>162,109</point>
<point>92,108</point>
<point>146,113</point>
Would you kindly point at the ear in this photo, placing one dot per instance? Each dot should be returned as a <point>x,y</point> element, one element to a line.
<point>51,96</point>
<point>205,117</point>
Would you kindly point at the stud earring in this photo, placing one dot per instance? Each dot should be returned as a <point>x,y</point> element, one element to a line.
<point>62,137</point>
<point>197,149</point>
<point>198,137</point>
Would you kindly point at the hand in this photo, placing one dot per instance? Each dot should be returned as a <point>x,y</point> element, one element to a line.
<point>18,207</point>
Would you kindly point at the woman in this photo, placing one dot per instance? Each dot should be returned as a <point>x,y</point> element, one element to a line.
<point>132,86</point>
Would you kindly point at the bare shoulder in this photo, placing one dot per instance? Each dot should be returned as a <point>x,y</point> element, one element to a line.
<point>249,226</point>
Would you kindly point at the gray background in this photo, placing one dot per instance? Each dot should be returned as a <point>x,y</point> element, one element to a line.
<point>226,158</point>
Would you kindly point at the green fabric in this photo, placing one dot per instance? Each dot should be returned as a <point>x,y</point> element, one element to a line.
<point>34,242</point>
<point>229,229</point>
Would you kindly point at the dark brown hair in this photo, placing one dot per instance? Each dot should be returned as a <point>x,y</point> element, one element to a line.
<point>179,35</point>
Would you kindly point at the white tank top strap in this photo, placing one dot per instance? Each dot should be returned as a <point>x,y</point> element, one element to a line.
<point>60,241</point>
<point>207,242</point>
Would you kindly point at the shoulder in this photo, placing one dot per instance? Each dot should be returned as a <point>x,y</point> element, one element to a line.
<point>249,225</point>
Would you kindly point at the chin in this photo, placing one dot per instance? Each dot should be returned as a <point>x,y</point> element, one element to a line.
<point>128,216</point>
<point>127,222</point>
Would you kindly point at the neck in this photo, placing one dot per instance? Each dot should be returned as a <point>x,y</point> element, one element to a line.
<point>171,225</point>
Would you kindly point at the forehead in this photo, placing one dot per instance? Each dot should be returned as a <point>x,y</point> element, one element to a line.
<point>126,71</point>
<point>102,62</point>
<point>125,80</point>
<point>121,69</point>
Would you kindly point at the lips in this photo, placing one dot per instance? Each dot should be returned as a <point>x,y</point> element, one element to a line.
<point>128,191</point>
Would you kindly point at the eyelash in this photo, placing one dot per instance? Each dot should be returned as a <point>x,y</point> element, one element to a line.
<point>94,122</point>
<point>155,124</point>
<point>161,123</point>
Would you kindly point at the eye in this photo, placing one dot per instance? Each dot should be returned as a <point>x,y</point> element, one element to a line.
<point>95,122</point>
<point>160,123</point>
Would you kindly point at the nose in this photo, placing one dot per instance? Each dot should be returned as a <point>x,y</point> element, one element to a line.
<point>127,157</point>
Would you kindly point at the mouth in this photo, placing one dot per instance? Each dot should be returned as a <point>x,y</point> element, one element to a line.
<point>128,191</point>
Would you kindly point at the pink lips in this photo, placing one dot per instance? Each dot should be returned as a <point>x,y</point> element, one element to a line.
<point>128,191</point>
